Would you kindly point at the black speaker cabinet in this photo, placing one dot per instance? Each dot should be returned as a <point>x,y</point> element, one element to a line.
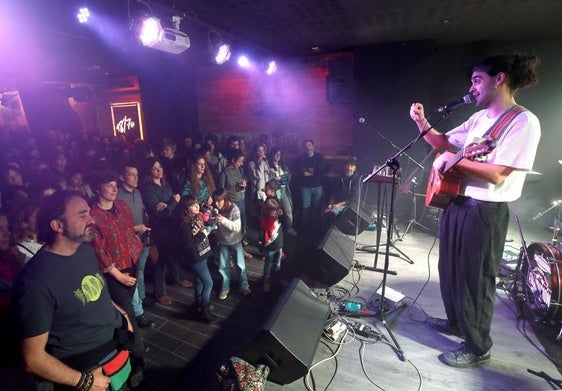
<point>352,219</point>
<point>290,337</point>
<point>331,261</point>
<point>339,83</point>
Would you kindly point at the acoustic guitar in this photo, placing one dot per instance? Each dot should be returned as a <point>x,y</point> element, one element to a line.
<point>440,190</point>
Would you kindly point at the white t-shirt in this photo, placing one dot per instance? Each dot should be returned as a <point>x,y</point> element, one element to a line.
<point>516,148</point>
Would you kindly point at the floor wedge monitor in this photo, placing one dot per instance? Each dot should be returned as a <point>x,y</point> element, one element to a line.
<point>352,220</point>
<point>288,341</point>
<point>332,260</point>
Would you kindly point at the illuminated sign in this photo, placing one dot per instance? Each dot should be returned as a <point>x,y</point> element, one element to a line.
<point>126,119</point>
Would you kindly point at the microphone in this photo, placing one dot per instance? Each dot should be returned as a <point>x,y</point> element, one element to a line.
<point>453,105</point>
<point>362,120</point>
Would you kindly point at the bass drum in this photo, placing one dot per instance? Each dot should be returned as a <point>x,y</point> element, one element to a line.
<point>541,280</point>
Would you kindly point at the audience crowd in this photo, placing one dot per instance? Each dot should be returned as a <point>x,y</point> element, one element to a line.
<point>174,205</point>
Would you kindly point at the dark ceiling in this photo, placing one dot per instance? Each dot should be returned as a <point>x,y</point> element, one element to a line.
<point>289,28</point>
<point>294,27</point>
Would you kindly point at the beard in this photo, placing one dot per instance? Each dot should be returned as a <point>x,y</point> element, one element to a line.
<point>87,235</point>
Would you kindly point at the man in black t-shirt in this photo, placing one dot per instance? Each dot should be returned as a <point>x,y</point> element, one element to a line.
<point>61,301</point>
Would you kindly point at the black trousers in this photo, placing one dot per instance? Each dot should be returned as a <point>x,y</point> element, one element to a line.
<point>123,296</point>
<point>471,243</point>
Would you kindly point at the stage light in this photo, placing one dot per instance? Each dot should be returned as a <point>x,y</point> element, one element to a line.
<point>220,53</point>
<point>271,68</point>
<point>83,15</point>
<point>218,49</point>
<point>243,62</point>
<point>148,30</point>
<point>150,33</point>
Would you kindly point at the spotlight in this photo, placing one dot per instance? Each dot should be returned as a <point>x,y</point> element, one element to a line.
<point>271,68</point>
<point>150,33</point>
<point>244,62</point>
<point>148,30</point>
<point>218,49</point>
<point>83,15</point>
<point>220,53</point>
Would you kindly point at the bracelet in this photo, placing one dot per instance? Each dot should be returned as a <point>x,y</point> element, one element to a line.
<point>86,381</point>
<point>80,383</point>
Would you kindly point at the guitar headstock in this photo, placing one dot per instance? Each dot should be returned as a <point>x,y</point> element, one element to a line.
<point>481,149</point>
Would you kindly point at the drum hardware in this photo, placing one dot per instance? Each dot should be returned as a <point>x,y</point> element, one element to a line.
<point>538,276</point>
<point>557,220</point>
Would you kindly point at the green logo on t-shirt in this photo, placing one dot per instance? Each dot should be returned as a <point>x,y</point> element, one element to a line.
<point>90,289</point>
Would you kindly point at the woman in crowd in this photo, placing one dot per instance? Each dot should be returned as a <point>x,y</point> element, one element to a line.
<point>229,236</point>
<point>280,173</point>
<point>258,172</point>
<point>232,178</point>
<point>160,203</point>
<point>200,181</point>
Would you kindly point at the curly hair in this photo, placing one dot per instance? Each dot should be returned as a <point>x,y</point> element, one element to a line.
<point>520,68</point>
<point>207,177</point>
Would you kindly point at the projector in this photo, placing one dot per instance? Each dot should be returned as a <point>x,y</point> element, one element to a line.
<point>173,41</point>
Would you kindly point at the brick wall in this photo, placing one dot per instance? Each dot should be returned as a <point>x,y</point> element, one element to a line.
<point>293,102</point>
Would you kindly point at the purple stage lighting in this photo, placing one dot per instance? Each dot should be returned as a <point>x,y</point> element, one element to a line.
<point>221,53</point>
<point>83,15</point>
<point>271,68</point>
<point>243,62</point>
<point>149,31</point>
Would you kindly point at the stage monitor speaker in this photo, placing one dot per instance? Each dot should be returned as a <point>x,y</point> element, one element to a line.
<point>331,261</point>
<point>290,337</point>
<point>352,219</point>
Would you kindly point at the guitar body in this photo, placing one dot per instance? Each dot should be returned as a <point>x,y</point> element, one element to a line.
<point>440,190</point>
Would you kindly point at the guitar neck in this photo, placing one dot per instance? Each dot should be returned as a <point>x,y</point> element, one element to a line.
<point>470,151</point>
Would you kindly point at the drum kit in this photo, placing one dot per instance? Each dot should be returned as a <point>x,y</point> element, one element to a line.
<point>538,275</point>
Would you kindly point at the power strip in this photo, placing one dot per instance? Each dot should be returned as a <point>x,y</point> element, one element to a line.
<point>335,331</point>
<point>361,329</point>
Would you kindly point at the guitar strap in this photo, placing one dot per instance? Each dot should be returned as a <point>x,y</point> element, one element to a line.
<point>501,124</point>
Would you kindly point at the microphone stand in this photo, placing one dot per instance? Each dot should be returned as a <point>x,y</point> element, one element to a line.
<point>392,163</point>
<point>362,120</point>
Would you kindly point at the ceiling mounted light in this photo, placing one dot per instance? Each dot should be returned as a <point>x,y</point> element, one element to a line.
<point>244,62</point>
<point>221,53</point>
<point>271,68</point>
<point>218,49</point>
<point>83,15</point>
<point>150,33</point>
<point>148,30</point>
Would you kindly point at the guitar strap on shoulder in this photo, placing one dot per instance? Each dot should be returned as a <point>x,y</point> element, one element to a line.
<point>501,124</point>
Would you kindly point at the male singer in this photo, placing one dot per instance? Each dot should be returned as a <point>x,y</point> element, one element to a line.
<point>474,225</point>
